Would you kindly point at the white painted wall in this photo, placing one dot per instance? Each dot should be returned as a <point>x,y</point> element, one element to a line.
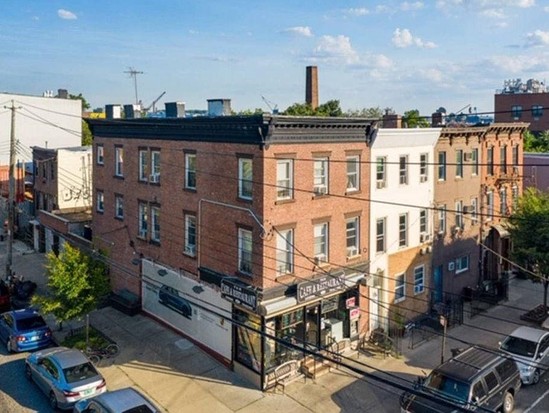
<point>39,121</point>
<point>396,199</point>
<point>74,175</point>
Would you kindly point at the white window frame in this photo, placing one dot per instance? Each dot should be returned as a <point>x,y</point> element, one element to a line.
<point>245,250</point>
<point>489,205</point>
<point>400,287</point>
<point>155,223</point>
<point>119,206</point>
<point>474,210</point>
<point>143,164</point>
<point>403,170</point>
<point>423,221</point>
<point>419,279</point>
<point>155,166</point>
<point>503,202</point>
<point>490,161</point>
<point>284,252</point>
<point>245,178</point>
<point>143,220</point>
<point>284,179</point>
<point>381,229</point>
<point>190,171</point>
<point>320,175</point>
<point>459,163</point>
<point>403,230</point>
<point>100,200</point>
<point>119,161</point>
<point>353,173</point>
<point>442,166</point>
<point>474,162</point>
<point>462,264</point>
<point>459,214</point>
<point>352,235</point>
<point>423,167</point>
<point>320,242</point>
<point>442,219</point>
<point>100,155</point>
<point>503,159</point>
<point>190,235</point>
<point>381,172</point>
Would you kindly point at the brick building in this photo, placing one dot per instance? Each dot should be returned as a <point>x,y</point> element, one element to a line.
<point>261,219</point>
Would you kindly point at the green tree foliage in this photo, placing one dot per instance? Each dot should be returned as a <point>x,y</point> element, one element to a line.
<point>87,138</point>
<point>370,113</point>
<point>529,229</point>
<point>536,143</point>
<point>412,119</point>
<point>76,283</point>
<point>85,104</point>
<point>329,109</point>
<point>248,112</point>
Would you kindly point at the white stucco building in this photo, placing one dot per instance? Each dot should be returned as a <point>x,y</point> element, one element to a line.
<point>402,193</point>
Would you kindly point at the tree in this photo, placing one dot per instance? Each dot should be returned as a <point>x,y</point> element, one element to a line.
<point>529,230</point>
<point>536,143</point>
<point>412,119</point>
<point>76,283</point>
<point>85,104</point>
<point>329,109</point>
<point>299,109</point>
<point>370,113</point>
<point>87,138</point>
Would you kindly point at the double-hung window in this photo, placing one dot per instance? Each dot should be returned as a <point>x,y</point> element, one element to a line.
<point>419,279</point>
<point>284,179</point>
<point>100,155</point>
<point>285,252</point>
<point>537,111</point>
<point>503,159</point>
<point>321,242</point>
<point>119,161</point>
<point>516,112</point>
<point>320,179</point>
<point>423,222</point>
<point>119,206</point>
<point>459,163</point>
<point>400,287</point>
<point>353,173</point>
<point>380,234</point>
<point>381,172</point>
<point>442,219</point>
<point>155,223</point>
<point>442,166</point>
<point>403,230</point>
<point>515,159</point>
<point>155,167</point>
<point>190,235</point>
<point>459,214</point>
<point>143,164</point>
<point>190,170</point>
<point>100,202</point>
<point>503,201</point>
<point>423,170</point>
<point>490,160</point>
<point>245,251</point>
<point>474,210</point>
<point>245,178</point>
<point>474,162</point>
<point>489,205</point>
<point>352,234</point>
<point>403,170</point>
<point>462,264</point>
<point>143,218</point>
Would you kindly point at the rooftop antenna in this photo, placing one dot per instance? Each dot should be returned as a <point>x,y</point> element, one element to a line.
<point>133,73</point>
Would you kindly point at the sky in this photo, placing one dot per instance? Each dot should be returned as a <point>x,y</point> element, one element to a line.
<point>402,55</point>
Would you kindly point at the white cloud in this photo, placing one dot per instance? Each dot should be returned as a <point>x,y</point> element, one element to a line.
<point>381,61</point>
<point>516,65</point>
<point>336,48</point>
<point>493,13</point>
<point>304,31</point>
<point>362,11</point>
<point>404,38</point>
<point>66,14</point>
<point>432,74</point>
<point>537,38</point>
<point>484,4</point>
<point>408,6</point>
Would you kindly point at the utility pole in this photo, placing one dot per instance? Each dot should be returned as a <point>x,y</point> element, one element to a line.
<point>11,195</point>
<point>133,73</point>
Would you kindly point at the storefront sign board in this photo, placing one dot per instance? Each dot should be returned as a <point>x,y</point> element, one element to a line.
<point>239,293</point>
<point>310,290</point>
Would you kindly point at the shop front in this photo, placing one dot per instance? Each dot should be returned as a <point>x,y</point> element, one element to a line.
<point>321,313</point>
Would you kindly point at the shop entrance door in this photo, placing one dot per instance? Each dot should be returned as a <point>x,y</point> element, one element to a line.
<point>312,332</point>
<point>374,308</point>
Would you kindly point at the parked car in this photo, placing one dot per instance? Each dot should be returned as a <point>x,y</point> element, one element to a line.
<point>24,330</point>
<point>118,401</point>
<point>529,347</point>
<point>170,298</point>
<point>65,375</point>
<point>476,377</point>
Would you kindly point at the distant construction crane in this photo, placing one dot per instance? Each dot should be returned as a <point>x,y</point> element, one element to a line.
<point>152,105</point>
<point>274,109</point>
<point>133,73</point>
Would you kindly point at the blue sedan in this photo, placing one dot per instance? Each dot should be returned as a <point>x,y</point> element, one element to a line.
<point>24,330</point>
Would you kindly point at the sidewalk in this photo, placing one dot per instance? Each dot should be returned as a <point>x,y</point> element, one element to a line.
<point>178,376</point>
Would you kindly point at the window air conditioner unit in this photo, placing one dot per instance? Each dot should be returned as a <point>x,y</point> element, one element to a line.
<point>423,251</point>
<point>143,233</point>
<point>320,190</point>
<point>456,229</point>
<point>190,249</point>
<point>154,178</point>
<point>423,178</point>
<point>424,237</point>
<point>319,259</point>
<point>380,184</point>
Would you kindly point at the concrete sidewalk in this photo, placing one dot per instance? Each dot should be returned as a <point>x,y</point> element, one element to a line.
<point>178,376</point>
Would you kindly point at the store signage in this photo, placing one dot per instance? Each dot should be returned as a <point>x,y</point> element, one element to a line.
<point>309,290</point>
<point>350,302</point>
<point>239,293</point>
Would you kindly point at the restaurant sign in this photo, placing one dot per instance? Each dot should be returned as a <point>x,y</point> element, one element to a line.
<point>310,290</point>
<point>232,289</point>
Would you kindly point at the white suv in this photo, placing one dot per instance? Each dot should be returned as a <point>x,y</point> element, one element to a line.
<point>529,347</point>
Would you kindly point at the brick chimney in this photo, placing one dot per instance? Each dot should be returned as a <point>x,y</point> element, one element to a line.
<point>311,87</point>
<point>436,119</point>
<point>392,120</point>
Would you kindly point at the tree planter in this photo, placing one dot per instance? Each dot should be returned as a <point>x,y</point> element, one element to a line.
<point>126,302</point>
<point>535,315</point>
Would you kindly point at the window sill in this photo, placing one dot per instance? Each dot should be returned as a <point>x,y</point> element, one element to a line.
<point>353,257</point>
<point>100,211</point>
<point>193,190</point>
<point>193,256</point>
<point>119,218</point>
<point>399,300</point>
<point>284,201</point>
<point>243,274</point>
<point>121,177</point>
<point>155,242</point>
<point>353,192</point>
<point>245,200</point>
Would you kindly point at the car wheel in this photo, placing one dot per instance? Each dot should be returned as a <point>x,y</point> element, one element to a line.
<point>536,377</point>
<point>508,403</point>
<point>28,372</point>
<point>53,400</point>
<point>8,345</point>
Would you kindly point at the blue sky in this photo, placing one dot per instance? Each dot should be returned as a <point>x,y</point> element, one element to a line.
<point>399,54</point>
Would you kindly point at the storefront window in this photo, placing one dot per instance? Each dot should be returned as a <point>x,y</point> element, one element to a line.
<point>289,328</point>
<point>248,340</point>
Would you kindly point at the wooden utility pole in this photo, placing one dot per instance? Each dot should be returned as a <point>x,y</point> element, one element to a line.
<point>11,194</point>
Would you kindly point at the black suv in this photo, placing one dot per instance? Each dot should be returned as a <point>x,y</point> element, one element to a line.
<point>476,377</point>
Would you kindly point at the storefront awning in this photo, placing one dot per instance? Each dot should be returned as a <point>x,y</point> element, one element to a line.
<point>503,233</point>
<point>282,304</point>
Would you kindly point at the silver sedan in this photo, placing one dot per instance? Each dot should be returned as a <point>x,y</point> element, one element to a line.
<point>64,375</point>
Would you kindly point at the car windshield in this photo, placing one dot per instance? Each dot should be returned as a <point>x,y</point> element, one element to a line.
<point>519,346</point>
<point>80,372</point>
<point>449,386</point>
<point>30,322</point>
